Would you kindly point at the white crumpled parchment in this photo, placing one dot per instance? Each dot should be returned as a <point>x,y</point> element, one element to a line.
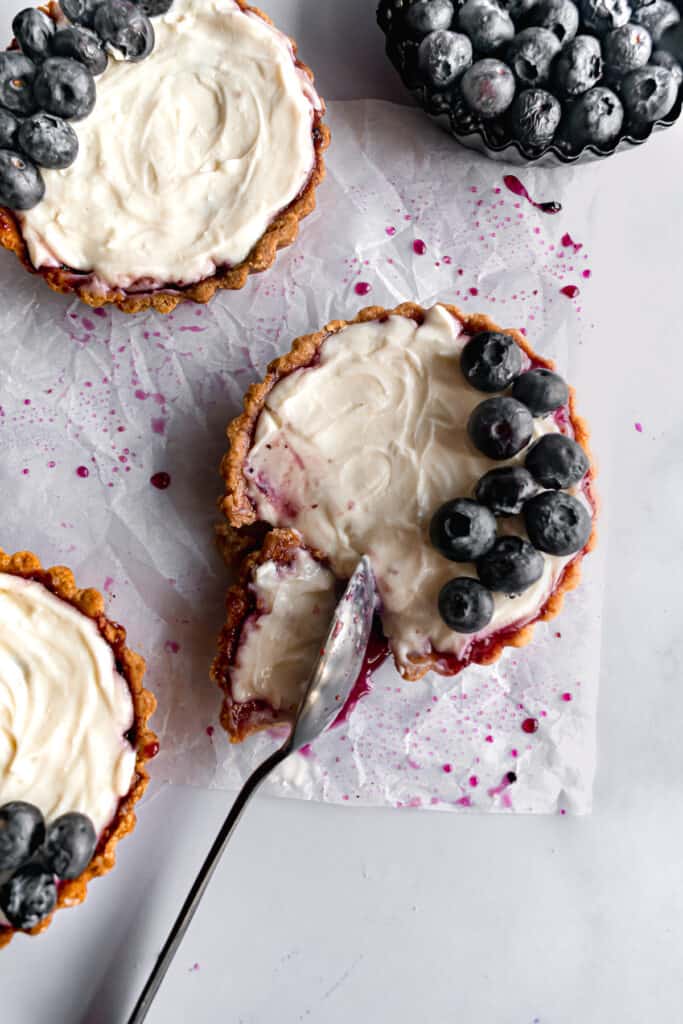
<point>94,404</point>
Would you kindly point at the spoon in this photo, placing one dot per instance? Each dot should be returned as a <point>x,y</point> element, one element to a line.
<point>326,694</point>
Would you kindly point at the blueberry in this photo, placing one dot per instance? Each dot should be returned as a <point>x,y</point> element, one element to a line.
<point>534,117</point>
<point>70,845</point>
<point>626,49</point>
<point>22,830</point>
<point>21,183</point>
<point>531,53</point>
<point>80,12</point>
<point>491,360</point>
<point>541,391</point>
<point>66,88</point>
<point>125,28</point>
<point>511,566</point>
<point>33,31</point>
<point>29,896</point>
<point>602,16</point>
<point>465,605</point>
<point>443,56</point>
<point>505,490</point>
<point>154,8</point>
<point>83,45</point>
<point>462,530</point>
<point>657,17</point>
<point>579,66</point>
<point>557,461</point>
<point>517,9</point>
<point>9,126</point>
<point>500,427</point>
<point>557,523</point>
<point>649,93</point>
<point>48,141</point>
<point>661,57</point>
<point>488,87</point>
<point>428,16</point>
<point>17,74</point>
<point>596,117</point>
<point>560,16</point>
<point>487,24</point>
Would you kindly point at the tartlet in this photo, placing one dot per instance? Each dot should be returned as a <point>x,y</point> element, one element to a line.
<point>136,286</point>
<point>268,487</point>
<point>59,583</point>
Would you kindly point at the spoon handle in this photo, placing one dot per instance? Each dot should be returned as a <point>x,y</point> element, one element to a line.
<point>190,905</point>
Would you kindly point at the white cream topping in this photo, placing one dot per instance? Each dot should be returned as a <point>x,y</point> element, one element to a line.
<point>358,452</point>
<point>187,157</point>
<point>281,642</point>
<point>64,709</point>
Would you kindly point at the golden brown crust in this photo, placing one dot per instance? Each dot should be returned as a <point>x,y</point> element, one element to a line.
<point>60,581</point>
<point>242,526</point>
<point>281,233</point>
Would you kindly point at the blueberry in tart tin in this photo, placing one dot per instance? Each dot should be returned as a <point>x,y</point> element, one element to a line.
<point>382,436</point>
<point>74,741</point>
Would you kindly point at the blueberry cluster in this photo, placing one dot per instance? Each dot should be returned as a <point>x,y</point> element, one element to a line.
<point>50,81</point>
<point>34,858</point>
<point>540,72</point>
<point>556,523</point>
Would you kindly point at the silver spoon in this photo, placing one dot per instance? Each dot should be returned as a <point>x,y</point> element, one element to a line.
<point>328,690</point>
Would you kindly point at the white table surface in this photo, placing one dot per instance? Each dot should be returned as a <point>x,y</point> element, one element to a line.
<point>330,914</point>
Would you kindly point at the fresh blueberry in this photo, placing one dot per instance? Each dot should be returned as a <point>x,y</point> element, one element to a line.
<point>80,12</point>
<point>428,16</point>
<point>125,28</point>
<point>21,183</point>
<point>487,24</point>
<point>66,88</point>
<point>578,67</point>
<point>534,117</point>
<point>505,490</point>
<point>29,896</point>
<point>22,829</point>
<point>48,141</point>
<point>465,605</point>
<point>511,566</point>
<point>83,45</point>
<point>491,360</point>
<point>541,391</point>
<point>9,126</point>
<point>661,57</point>
<point>531,53</point>
<point>443,56</point>
<point>626,49</point>
<point>557,461</point>
<point>154,8</point>
<point>500,427</point>
<point>560,16</point>
<point>462,530</point>
<point>70,845</point>
<point>33,31</point>
<point>602,16</point>
<point>557,523</point>
<point>596,117</point>
<point>17,75</point>
<point>488,87</point>
<point>657,17</point>
<point>649,93</point>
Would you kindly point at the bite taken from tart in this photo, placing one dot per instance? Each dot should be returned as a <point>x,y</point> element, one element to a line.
<point>74,741</point>
<point>154,152</point>
<point>436,443</point>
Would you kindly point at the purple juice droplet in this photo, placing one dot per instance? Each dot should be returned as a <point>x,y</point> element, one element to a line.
<point>514,185</point>
<point>362,288</point>
<point>160,480</point>
<point>83,472</point>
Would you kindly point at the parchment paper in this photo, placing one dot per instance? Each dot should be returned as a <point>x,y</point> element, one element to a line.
<point>94,404</point>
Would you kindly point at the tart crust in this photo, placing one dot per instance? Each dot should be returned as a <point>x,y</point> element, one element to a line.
<point>60,581</point>
<point>280,234</point>
<point>243,530</point>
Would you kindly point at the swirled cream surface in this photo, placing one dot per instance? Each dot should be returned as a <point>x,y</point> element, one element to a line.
<point>187,157</point>
<point>64,709</point>
<point>357,453</point>
<point>281,641</point>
